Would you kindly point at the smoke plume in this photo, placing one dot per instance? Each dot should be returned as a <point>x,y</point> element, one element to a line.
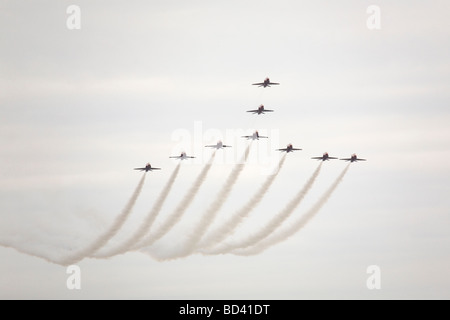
<point>210,214</point>
<point>296,226</point>
<point>113,229</point>
<point>147,223</point>
<point>275,222</point>
<point>176,215</point>
<point>228,227</point>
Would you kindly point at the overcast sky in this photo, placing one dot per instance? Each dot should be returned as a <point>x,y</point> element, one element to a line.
<point>144,80</point>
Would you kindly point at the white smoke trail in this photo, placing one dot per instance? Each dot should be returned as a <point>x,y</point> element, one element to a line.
<point>115,227</point>
<point>28,252</point>
<point>176,215</point>
<point>274,223</point>
<point>228,227</point>
<point>210,214</point>
<point>294,227</point>
<point>147,223</point>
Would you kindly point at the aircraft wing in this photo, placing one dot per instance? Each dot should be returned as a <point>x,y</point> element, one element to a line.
<point>254,111</point>
<point>142,169</point>
<point>350,159</point>
<point>285,149</point>
<point>154,168</point>
<point>317,158</point>
<point>258,84</point>
<point>180,157</point>
<point>273,83</point>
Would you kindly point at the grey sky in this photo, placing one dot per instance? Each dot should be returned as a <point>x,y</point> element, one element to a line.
<point>140,82</point>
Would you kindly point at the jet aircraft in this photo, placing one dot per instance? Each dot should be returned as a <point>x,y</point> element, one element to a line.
<point>219,145</point>
<point>353,158</point>
<point>324,157</point>
<point>288,149</point>
<point>254,136</point>
<point>182,156</point>
<point>260,110</point>
<point>266,83</point>
<point>148,167</point>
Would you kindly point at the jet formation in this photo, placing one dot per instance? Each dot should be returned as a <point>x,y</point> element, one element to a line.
<point>255,136</point>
